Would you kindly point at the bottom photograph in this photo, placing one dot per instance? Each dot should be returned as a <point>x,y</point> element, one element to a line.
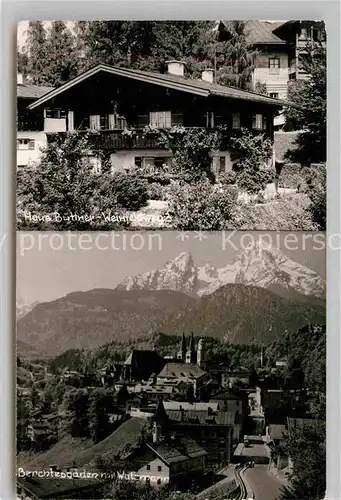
<point>171,365</point>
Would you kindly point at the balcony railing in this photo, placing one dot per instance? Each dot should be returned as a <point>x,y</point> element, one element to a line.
<point>114,139</point>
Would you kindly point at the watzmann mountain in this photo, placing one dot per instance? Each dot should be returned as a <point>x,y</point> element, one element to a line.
<point>258,266</point>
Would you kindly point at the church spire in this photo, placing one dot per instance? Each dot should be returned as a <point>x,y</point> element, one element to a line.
<point>191,354</point>
<point>182,350</point>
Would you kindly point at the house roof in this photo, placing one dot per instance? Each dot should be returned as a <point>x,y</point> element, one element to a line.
<point>184,370</point>
<point>262,32</point>
<point>25,91</point>
<point>182,450</point>
<point>259,32</point>
<point>277,431</point>
<point>197,87</point>
<point>199,417</point>
<point>51,487</point>
<point>178,405</point>
<point>227,394</point>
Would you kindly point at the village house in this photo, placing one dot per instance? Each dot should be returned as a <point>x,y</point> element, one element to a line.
<point>217,431</point>
<point>117,104</point>
<point>281,47</point>
<point>140,365</point>
<point>31,127</point>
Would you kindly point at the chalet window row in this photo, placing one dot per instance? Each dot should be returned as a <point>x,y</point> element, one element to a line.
<point>159,119</point>
<point>25,144</point>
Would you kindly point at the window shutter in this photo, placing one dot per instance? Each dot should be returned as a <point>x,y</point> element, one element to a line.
<point>112,121</point>
<point>215,164</point>
<point>95,122</point>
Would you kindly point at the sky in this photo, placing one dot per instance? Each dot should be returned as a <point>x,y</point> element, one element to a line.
<point>50,265</point>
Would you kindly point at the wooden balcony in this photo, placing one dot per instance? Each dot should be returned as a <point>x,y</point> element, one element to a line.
<point>115,140</point>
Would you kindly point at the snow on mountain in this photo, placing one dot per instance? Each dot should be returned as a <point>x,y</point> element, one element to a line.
<point>258,266</point>
<point>22,308</point>
<point>180,274</point>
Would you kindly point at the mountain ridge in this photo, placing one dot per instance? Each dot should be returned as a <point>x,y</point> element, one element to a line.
<point>257,266</point>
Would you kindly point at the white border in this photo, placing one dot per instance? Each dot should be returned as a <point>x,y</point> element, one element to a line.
<point>14,11</point>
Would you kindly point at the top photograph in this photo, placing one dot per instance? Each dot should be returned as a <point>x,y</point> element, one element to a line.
<point>173,125</point>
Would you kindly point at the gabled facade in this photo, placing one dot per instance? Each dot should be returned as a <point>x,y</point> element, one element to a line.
<point>118,103</point>
<point>281,46</point>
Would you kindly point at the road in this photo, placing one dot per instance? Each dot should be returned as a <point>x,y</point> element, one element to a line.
<point>264,485</point>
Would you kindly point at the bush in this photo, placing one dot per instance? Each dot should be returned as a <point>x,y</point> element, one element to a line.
<point>283,214</point>
<point>63,192</point>
<point>291,176</point>
<point>156,191</point>
<point>129,189</point>
<point>252,153</point>
<point>227,179</point>
<point>201,206</point>
<point>316,180</point>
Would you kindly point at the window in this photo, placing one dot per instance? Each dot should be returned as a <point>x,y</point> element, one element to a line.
<point>160,119</point>
<point>25,144</point>
<point>235,120</point>
<point>159,161</point>
<point>138,161</point>
<point>158,481</point>
<point>265,122</point>
<point>222,164</point>
<point>159,468</point>
<point>148,467</point>
<point>257,122</point>
<point>274,95</point>
<point>274,65</point>
<point>55,113</point>
<point>148,161</point>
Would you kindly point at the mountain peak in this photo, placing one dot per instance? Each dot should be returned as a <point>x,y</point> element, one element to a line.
<point>260,265</point>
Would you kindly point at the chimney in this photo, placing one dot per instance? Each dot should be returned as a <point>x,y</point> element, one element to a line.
<point>20,79</point>
<point>207,75</point>
<point>176,68</point>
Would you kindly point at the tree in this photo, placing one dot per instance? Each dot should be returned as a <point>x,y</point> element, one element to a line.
<point>237,57</point>
<point>22,62</point>
<point>63,190</point>
<point>35,49</point>
<point>306,446</point>
<point>100,405</point>
<point>61,58</point>
<point>76,402</point>
<point>310,113</point>
<point>122,43</point>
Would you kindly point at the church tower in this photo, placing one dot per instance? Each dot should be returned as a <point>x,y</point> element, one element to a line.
<point>191,354</point>
<point>201,353</point>
<point>182,351</point>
